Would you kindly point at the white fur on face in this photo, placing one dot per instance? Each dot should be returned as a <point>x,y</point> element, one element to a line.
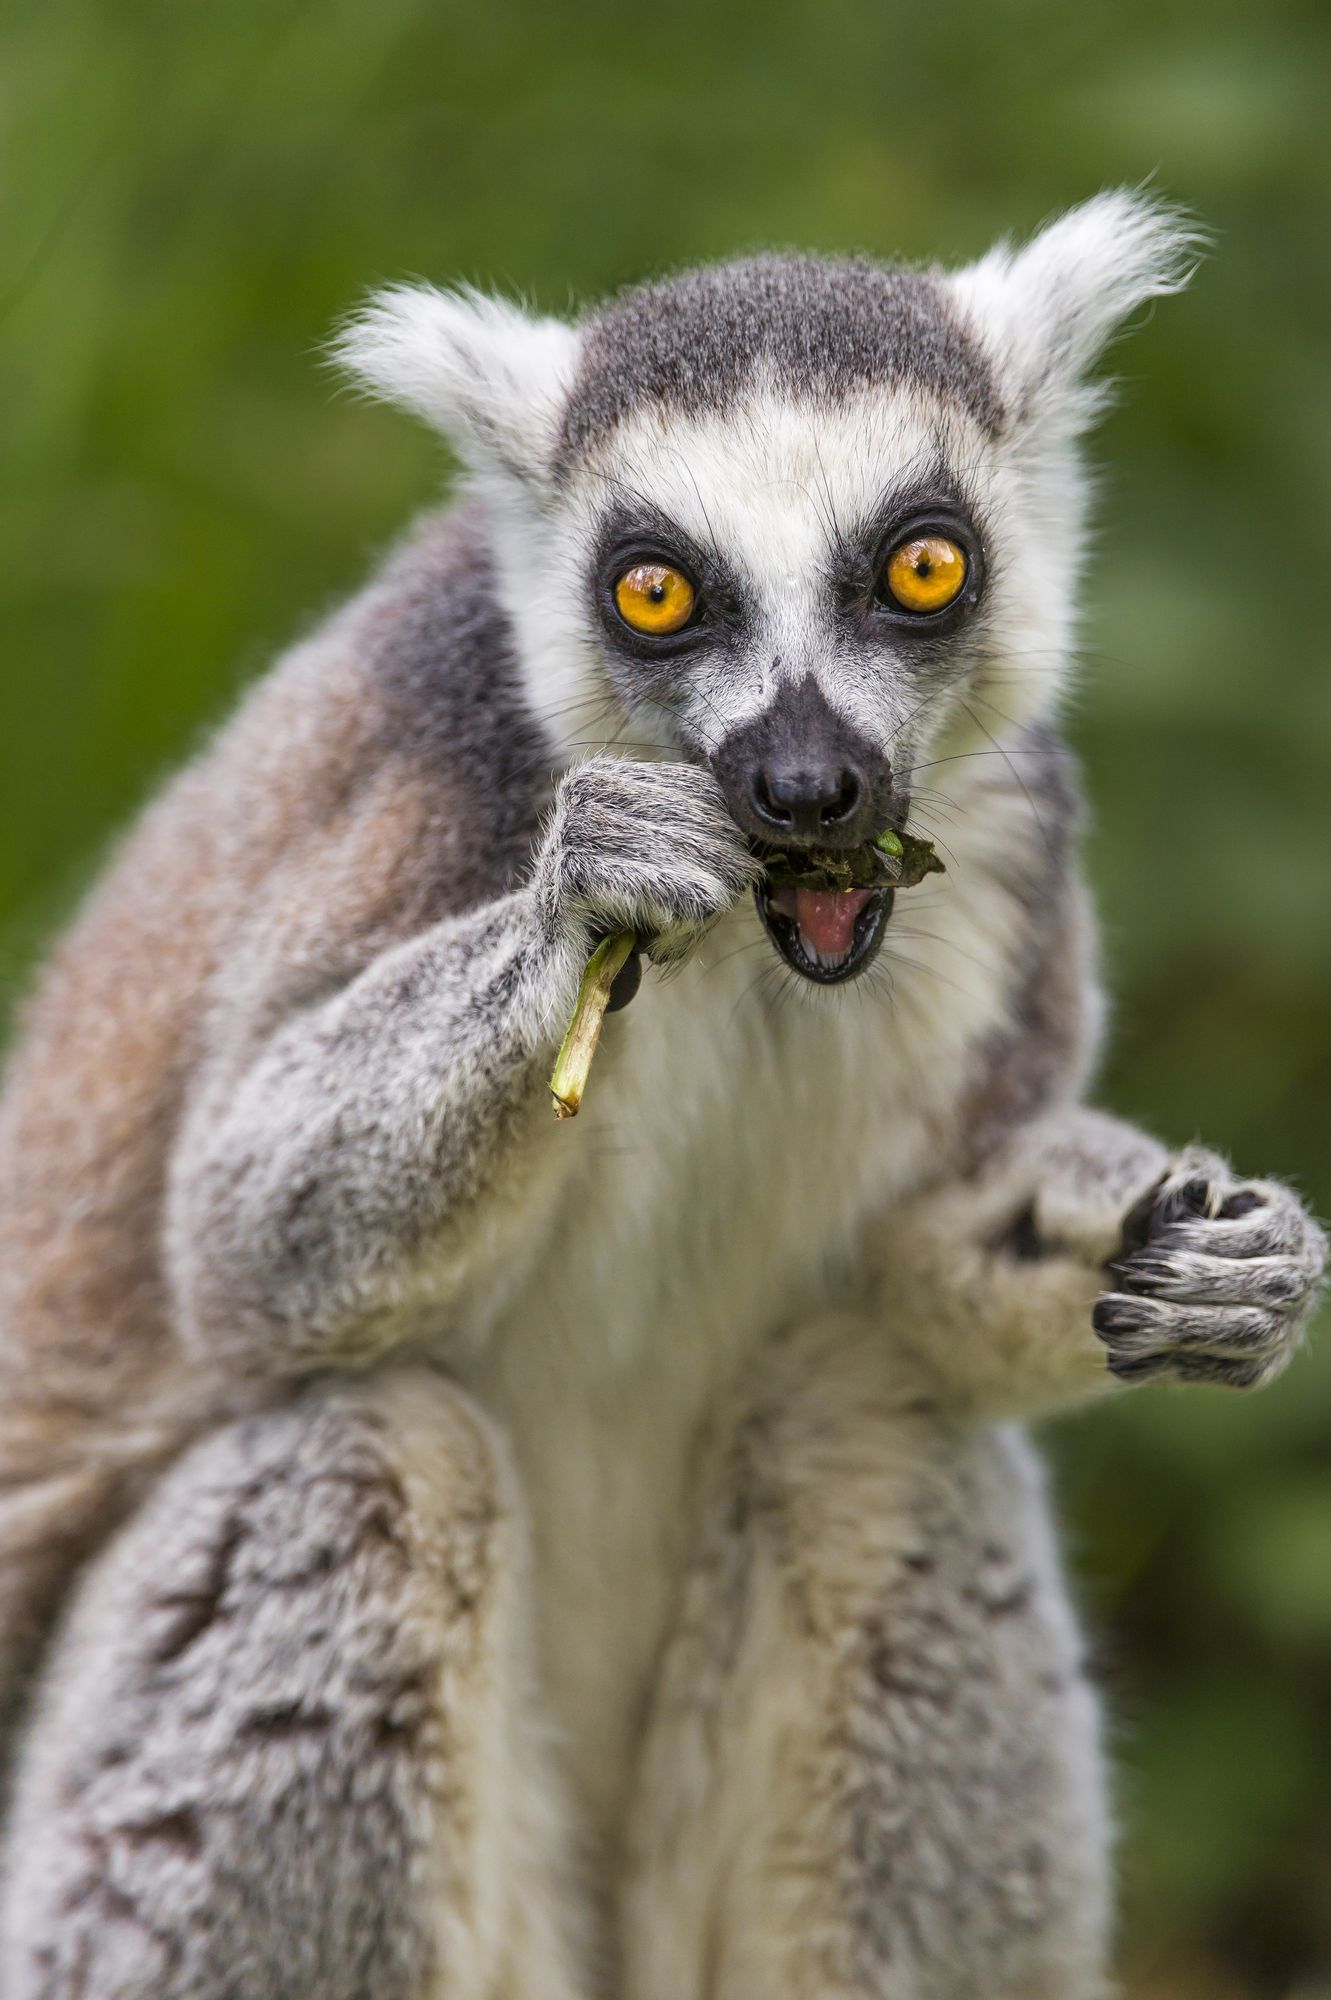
<point>774,485</point>
<point>772,479</point>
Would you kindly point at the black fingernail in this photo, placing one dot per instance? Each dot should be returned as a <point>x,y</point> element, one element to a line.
<point>1118,1316</point>
<point>1242,1203</point>
<point>1140,1272</point>
<point>1137,1367</point>
<point>1219,1374</point>
<point>1138,1222</point>
<point>627,981</point>
<point>1184,1203</point>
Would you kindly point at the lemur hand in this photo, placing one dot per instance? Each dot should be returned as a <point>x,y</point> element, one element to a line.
<point>1215,1278</point>
<point>649,848</point>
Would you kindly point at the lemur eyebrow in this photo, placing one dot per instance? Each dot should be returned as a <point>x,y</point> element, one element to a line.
<point>900,502</point>
<point>637,526</point>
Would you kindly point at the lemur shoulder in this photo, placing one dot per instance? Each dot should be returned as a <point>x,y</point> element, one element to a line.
<point>447,1553</point>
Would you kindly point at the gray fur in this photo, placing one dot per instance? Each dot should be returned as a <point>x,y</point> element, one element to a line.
<point>310,1188</point>
<point>822,327</point>
<point>1024,1063</point>
<point>1213,1281</point>
<point>927,1831</point>
<point>261,1767</point>
<point>448,699</point>
<point>1046,1246</point>
<point>791,1614</point>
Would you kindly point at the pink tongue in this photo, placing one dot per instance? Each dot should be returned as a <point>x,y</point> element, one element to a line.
<point>826,918</point>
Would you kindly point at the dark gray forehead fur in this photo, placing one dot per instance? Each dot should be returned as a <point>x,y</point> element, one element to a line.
<point>822,326</point>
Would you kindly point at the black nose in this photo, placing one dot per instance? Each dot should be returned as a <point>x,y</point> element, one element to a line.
<point>799,774</point>
<point>808,799</point>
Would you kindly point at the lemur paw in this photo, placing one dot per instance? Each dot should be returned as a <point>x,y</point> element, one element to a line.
<point>1215,1278</point>
<point>644,847</point>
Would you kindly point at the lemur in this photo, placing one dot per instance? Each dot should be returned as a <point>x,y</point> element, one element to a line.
<point>447,1554</point>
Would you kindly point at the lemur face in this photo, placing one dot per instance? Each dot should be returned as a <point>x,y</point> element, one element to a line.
<point>790,576</point>
<point>813,524</point>
<point>790,594</point>
<point>779,531</point>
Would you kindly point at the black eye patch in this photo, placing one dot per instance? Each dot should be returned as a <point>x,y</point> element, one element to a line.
<point>860,568</point>
<point>636,537</point>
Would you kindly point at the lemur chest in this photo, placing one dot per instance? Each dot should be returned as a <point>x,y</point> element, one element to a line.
<point>732,1143</point>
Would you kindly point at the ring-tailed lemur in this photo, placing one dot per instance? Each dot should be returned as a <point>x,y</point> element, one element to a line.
<point>521,1560</point>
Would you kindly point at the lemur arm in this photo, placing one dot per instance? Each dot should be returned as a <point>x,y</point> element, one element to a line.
<point>1083,1255</point>
<point>336,1149</point>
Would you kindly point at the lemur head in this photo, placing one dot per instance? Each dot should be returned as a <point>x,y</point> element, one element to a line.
<point>812,523</point>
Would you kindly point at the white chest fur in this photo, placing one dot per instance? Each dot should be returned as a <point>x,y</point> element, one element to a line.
<point>739,1129</point>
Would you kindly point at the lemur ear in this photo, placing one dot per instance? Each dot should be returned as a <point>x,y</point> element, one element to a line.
<point>486,374</point>
<point>1047,310</point>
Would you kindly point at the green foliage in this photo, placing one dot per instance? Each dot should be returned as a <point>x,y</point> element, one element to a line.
<point>191,195</point>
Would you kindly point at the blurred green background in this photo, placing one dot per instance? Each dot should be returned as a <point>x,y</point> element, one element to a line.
<point>190,194</point>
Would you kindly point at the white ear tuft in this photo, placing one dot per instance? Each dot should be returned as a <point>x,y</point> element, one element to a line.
<point>482,371</point>
<point>1047,310</point>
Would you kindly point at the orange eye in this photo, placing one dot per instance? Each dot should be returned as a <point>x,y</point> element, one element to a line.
<point>925,574</point>
<point>655,599</point>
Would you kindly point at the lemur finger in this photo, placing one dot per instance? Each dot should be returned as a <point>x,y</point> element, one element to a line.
<point>1155,1366</point>
<point>640,801</point>
<point>1221,1372</point>
<point>687,893</point>
<point>1138,1370</point>
<point>1251,1224</point>
<point>649,824</point>
<point>614,854</point>
<point>666,881</point>
<point>1197,1184</point>
<point>1193,1279</point>
<point>1132,1326</point>
<point>613,809</point>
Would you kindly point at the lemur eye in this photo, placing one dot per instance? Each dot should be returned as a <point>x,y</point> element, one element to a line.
<point>925,573</point>
<point>655,599</point>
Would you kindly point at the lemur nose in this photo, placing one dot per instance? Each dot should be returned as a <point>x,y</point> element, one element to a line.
<point>807,800</point>
<point>799,774</point>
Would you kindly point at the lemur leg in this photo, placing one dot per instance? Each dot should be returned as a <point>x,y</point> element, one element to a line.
<point>286,1745</point>
<point>873,1763</point>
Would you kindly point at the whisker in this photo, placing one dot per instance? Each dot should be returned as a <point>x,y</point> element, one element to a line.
<point>961,756</point>
<point>749,944</point>
<point>929,810</point>
<point>1044,833</point>
<point>927,971</point>
<point>935,937</point>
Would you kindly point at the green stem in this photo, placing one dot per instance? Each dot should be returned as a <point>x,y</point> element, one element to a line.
<point>574,1060</point>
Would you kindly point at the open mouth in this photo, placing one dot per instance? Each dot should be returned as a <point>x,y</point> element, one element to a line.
<point>825,910</point>
<point>825,934</point>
